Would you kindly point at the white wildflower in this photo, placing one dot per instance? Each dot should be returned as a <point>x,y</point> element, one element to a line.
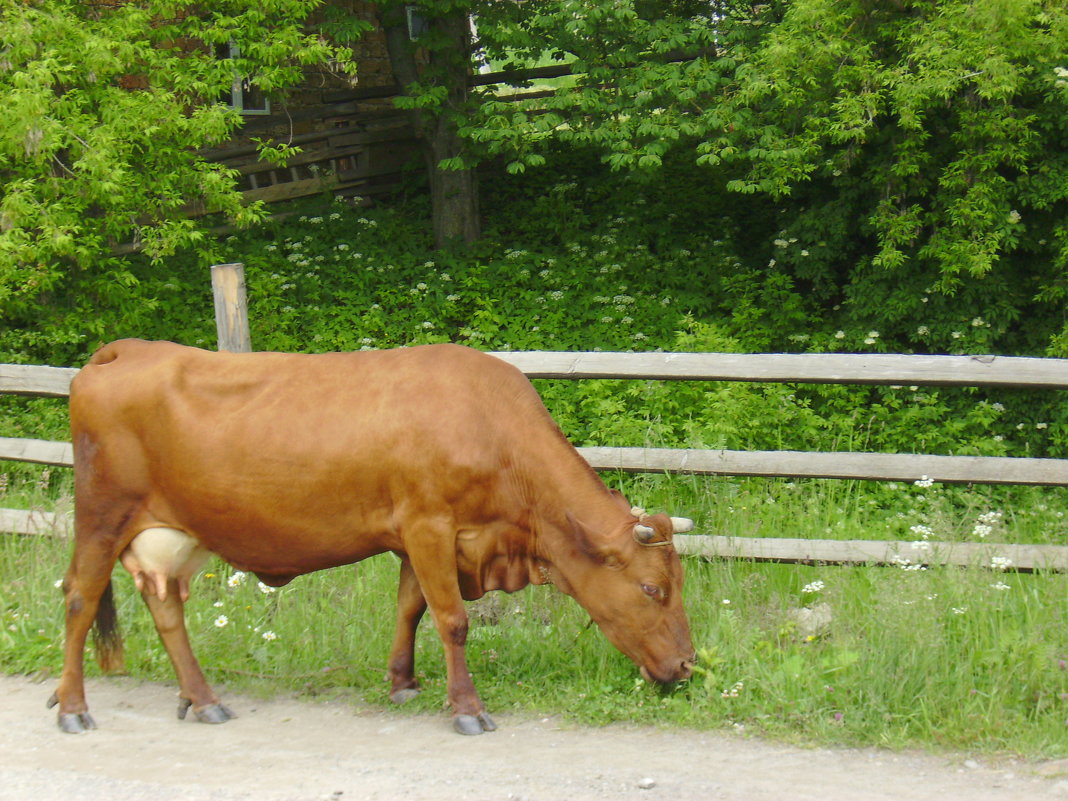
<point>221,621</point>
<point>923,482</point>
<point>236,579</point>
<point>734,691</point>
<point>266,590</point>
<point>813,587</point>
<point>269,636</point>
<point>1000,563</point>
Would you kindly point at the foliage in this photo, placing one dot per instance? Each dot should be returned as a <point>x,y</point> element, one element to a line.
<point>106,108</point>
<point>921,144</point>
<point>913,151</point>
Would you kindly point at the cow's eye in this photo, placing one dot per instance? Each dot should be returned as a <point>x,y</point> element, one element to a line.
<point>652,590</point>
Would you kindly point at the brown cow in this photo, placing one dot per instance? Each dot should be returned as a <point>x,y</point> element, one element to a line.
<point>283,464</point>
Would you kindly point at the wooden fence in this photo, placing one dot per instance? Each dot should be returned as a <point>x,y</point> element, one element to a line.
<point>807,368</point>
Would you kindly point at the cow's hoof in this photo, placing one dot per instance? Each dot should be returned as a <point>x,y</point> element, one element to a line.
<point>72,722</point>
<point>405,695</point>
<point>470,725</point>
<point>75,722</point>
<point>210,713</point>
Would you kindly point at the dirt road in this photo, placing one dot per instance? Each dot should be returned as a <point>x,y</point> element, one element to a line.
<point>288,750</point>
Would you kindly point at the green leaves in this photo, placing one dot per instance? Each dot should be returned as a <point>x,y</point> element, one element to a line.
<point>105,110</point>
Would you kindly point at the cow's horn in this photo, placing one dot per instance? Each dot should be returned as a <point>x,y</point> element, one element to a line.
<point>681,525</point>
<point>644,534</point>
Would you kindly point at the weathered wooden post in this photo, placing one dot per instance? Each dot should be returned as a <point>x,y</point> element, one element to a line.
<point>231,307</point>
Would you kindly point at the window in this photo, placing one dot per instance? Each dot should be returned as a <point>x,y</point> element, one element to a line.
<point>244,96</point>
<point>417,23</point>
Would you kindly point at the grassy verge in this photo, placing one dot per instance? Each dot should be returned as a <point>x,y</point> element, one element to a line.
<point>955,658</point>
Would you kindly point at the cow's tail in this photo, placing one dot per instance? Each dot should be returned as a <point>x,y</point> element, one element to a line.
<point>107,638</point>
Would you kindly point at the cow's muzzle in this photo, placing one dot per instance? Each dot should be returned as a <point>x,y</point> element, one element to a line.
<point>670,673</point>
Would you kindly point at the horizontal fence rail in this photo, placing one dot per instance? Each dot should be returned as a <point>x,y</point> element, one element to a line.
<point>885,369</point>
<point>27,379</point>
<point>801,368</point>
<point>996,556</point>
<point>843,464</point>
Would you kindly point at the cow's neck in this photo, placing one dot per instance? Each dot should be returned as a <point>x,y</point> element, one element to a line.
<point>579,499</point>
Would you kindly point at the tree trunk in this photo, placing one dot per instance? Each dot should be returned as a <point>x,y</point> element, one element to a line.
<point>453,192</point>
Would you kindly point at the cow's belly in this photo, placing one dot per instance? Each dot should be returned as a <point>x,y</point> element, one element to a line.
<point>158,555</point>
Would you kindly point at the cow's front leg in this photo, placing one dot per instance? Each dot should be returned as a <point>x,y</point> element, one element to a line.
<point>436,573</point>
<point>411,605</point>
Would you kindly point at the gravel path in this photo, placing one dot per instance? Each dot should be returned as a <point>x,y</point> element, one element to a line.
<point>289,750</point>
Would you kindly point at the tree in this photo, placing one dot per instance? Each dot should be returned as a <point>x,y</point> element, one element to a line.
<point>106,106</point>
<point>432,68</point>
<point>609,45</point>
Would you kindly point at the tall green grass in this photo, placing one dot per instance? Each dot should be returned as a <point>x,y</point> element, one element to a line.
<point>945,657</point>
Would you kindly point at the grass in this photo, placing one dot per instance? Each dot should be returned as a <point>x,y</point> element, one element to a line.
<point>939,658</point>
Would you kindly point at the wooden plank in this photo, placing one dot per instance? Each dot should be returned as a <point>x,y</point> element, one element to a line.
<point>35,522</point>
<point>289,190</point>
<point>826,368</point>
<point>831,368</point>
<point>32,379</point>
<point>995,556</point>
<point>1022,558</point>
<point>252,168</point>
<point>805,464</point>
<point>796,464</point>
<point>37,451</point>
<point>397,133</point>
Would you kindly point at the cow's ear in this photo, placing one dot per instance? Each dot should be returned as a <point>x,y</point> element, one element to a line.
<point>596,548</point>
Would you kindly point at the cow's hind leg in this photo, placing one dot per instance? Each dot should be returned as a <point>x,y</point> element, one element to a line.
<point>87,597</point>
<point>168,613</point>
<point>411,605</point>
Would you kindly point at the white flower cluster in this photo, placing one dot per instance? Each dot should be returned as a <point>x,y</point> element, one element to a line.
<point>734,691</point>
<point>906,564</point>
<point>1000,563</point>
<point>924,532</point>
<point>985,524</point>
<point>813,587</point>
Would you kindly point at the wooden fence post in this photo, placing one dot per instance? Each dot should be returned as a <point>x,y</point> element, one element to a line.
<point>231,307</point>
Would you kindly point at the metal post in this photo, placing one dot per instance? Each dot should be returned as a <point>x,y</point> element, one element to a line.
<point>231,307</point>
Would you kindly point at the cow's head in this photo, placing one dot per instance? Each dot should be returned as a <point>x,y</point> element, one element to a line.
<point>630,581</point>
